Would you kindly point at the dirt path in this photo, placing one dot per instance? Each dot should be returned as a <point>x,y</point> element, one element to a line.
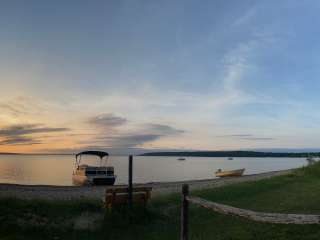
<point>97,192</point>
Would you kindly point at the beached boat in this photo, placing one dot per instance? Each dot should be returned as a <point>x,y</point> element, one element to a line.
<point>93,175</point>
<point>231,173</point>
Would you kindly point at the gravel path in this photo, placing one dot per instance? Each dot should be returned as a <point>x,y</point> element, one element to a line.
<point>97,192</point>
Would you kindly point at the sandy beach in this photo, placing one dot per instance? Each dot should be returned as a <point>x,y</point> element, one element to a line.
<point>97,192</point>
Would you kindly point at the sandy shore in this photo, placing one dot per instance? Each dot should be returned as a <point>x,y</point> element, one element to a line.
<point>97,192</point>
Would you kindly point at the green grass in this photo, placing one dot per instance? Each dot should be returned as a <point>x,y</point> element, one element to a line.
<point>298,192</point>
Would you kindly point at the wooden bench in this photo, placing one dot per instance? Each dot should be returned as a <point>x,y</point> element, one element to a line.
<point>119,195</point>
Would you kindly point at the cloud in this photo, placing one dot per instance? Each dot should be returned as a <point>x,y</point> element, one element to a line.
<point>20,106</point>
<point>258,139</point>
<point>19,141</point>
<point>130,140</point>
<point>20,134</point>
<point>246,18</point>
<point>14,110</point>
<point>162,129</point>
<point>145,133</point>
<point>108,120</point>
<point>236,135</point>
<point>237,63</point>
<point>112,134</point>
<point>24,129</point>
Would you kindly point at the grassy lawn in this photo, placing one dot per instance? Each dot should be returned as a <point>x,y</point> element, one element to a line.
<point>295,193</point>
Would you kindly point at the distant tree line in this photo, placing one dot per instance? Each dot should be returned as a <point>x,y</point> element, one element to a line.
<point>231,154</point>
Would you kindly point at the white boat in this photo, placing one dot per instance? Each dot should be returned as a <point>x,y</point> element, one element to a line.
<point>93,175</point>
<point>231,173</point>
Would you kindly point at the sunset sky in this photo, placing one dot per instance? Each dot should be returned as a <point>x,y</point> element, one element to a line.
<point>204,75</point>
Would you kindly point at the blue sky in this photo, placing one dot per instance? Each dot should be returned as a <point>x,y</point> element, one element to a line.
<point>159,74</point>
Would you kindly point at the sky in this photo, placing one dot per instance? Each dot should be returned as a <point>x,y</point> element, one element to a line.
<point>160,75</point>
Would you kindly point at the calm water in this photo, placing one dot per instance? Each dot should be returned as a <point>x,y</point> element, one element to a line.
<point>57,170</point>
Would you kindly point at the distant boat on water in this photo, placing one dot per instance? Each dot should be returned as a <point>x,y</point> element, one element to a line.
<point>231,173</point>
<point>181,159</point>
<point>230,158</point>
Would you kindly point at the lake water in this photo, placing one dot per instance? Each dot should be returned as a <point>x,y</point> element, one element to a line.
<point>57,169</point>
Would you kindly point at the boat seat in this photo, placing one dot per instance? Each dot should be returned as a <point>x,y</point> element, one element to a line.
<point>116,195</point>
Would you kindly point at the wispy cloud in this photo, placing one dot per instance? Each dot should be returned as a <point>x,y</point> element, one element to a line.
<point>19,141</point>
<point>161,129</point>
<point>138,135</point>
<point>237,65</point>
<point>107,120</point>
<point>14,110</point>
<point>21,106</point>
<point>133,140</point>
<point>246,17</point>
<point>24,134</point>
<point>235,135</point>
<point>24,129</point>
<point>258,139</point>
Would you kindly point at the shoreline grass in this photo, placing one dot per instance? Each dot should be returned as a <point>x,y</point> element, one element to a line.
<point>298,192</point>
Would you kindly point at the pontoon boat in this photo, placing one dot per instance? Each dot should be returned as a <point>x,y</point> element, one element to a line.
<point>93,175</point>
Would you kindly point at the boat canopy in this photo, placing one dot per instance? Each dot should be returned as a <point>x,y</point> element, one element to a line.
<point>95,153</point>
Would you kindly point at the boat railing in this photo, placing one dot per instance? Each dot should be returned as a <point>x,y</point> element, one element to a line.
<point>275,218</point>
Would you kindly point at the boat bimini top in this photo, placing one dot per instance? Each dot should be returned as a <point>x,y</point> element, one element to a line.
<point>102,155</point>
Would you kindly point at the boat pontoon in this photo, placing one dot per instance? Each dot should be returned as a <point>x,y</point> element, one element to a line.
<point>93,175</point>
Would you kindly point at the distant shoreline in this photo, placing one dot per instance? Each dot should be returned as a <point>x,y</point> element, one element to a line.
<point>231,154</point>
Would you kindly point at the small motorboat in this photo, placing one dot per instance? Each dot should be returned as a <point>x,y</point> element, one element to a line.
<point>230,158</point>
<point>231,173</point>
<point>93,175</point>
<point>181,159</point>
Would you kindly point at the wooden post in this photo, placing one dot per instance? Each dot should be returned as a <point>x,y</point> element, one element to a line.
<point>184,212</point>
<point>130,181</point>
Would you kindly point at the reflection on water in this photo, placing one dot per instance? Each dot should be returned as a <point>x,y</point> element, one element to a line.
<point>57,170</point>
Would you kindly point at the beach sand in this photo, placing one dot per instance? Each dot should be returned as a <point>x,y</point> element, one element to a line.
<point>98,192</point>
